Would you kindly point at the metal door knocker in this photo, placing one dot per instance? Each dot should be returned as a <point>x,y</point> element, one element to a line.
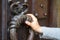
<point>19,11</point>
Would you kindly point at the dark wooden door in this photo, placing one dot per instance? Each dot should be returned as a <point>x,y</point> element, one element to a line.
<point>0,20</point>
<point>40,8</point>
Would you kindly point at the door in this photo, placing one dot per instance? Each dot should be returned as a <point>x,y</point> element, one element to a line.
<point>40,8</point>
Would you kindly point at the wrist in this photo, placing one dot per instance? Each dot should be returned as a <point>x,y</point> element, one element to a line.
<point>39,30</point>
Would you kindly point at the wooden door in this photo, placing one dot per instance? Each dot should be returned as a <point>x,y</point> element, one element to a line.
<point>0,20</point>
<point>40,8</point>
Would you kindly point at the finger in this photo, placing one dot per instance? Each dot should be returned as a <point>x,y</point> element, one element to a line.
<point>28,23</point>
<point>33,17</point>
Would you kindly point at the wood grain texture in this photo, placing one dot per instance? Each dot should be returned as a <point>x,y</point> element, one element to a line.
<point>0,20</point>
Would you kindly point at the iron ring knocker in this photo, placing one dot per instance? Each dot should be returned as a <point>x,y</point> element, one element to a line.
<point>19,10</point>
<point>17,19</point>
<point>16,24</point>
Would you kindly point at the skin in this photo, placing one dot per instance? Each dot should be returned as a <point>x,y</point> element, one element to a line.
<point>34,24</point>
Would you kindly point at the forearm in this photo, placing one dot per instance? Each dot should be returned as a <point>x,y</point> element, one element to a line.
<point>51,32</point>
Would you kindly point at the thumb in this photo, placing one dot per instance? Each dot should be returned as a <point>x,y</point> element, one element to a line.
<point>28,23</point>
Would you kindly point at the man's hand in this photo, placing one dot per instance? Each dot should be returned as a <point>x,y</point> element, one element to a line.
<point>34,24</point>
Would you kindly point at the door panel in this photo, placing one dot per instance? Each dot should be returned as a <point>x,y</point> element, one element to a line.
<point>40,9</point>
